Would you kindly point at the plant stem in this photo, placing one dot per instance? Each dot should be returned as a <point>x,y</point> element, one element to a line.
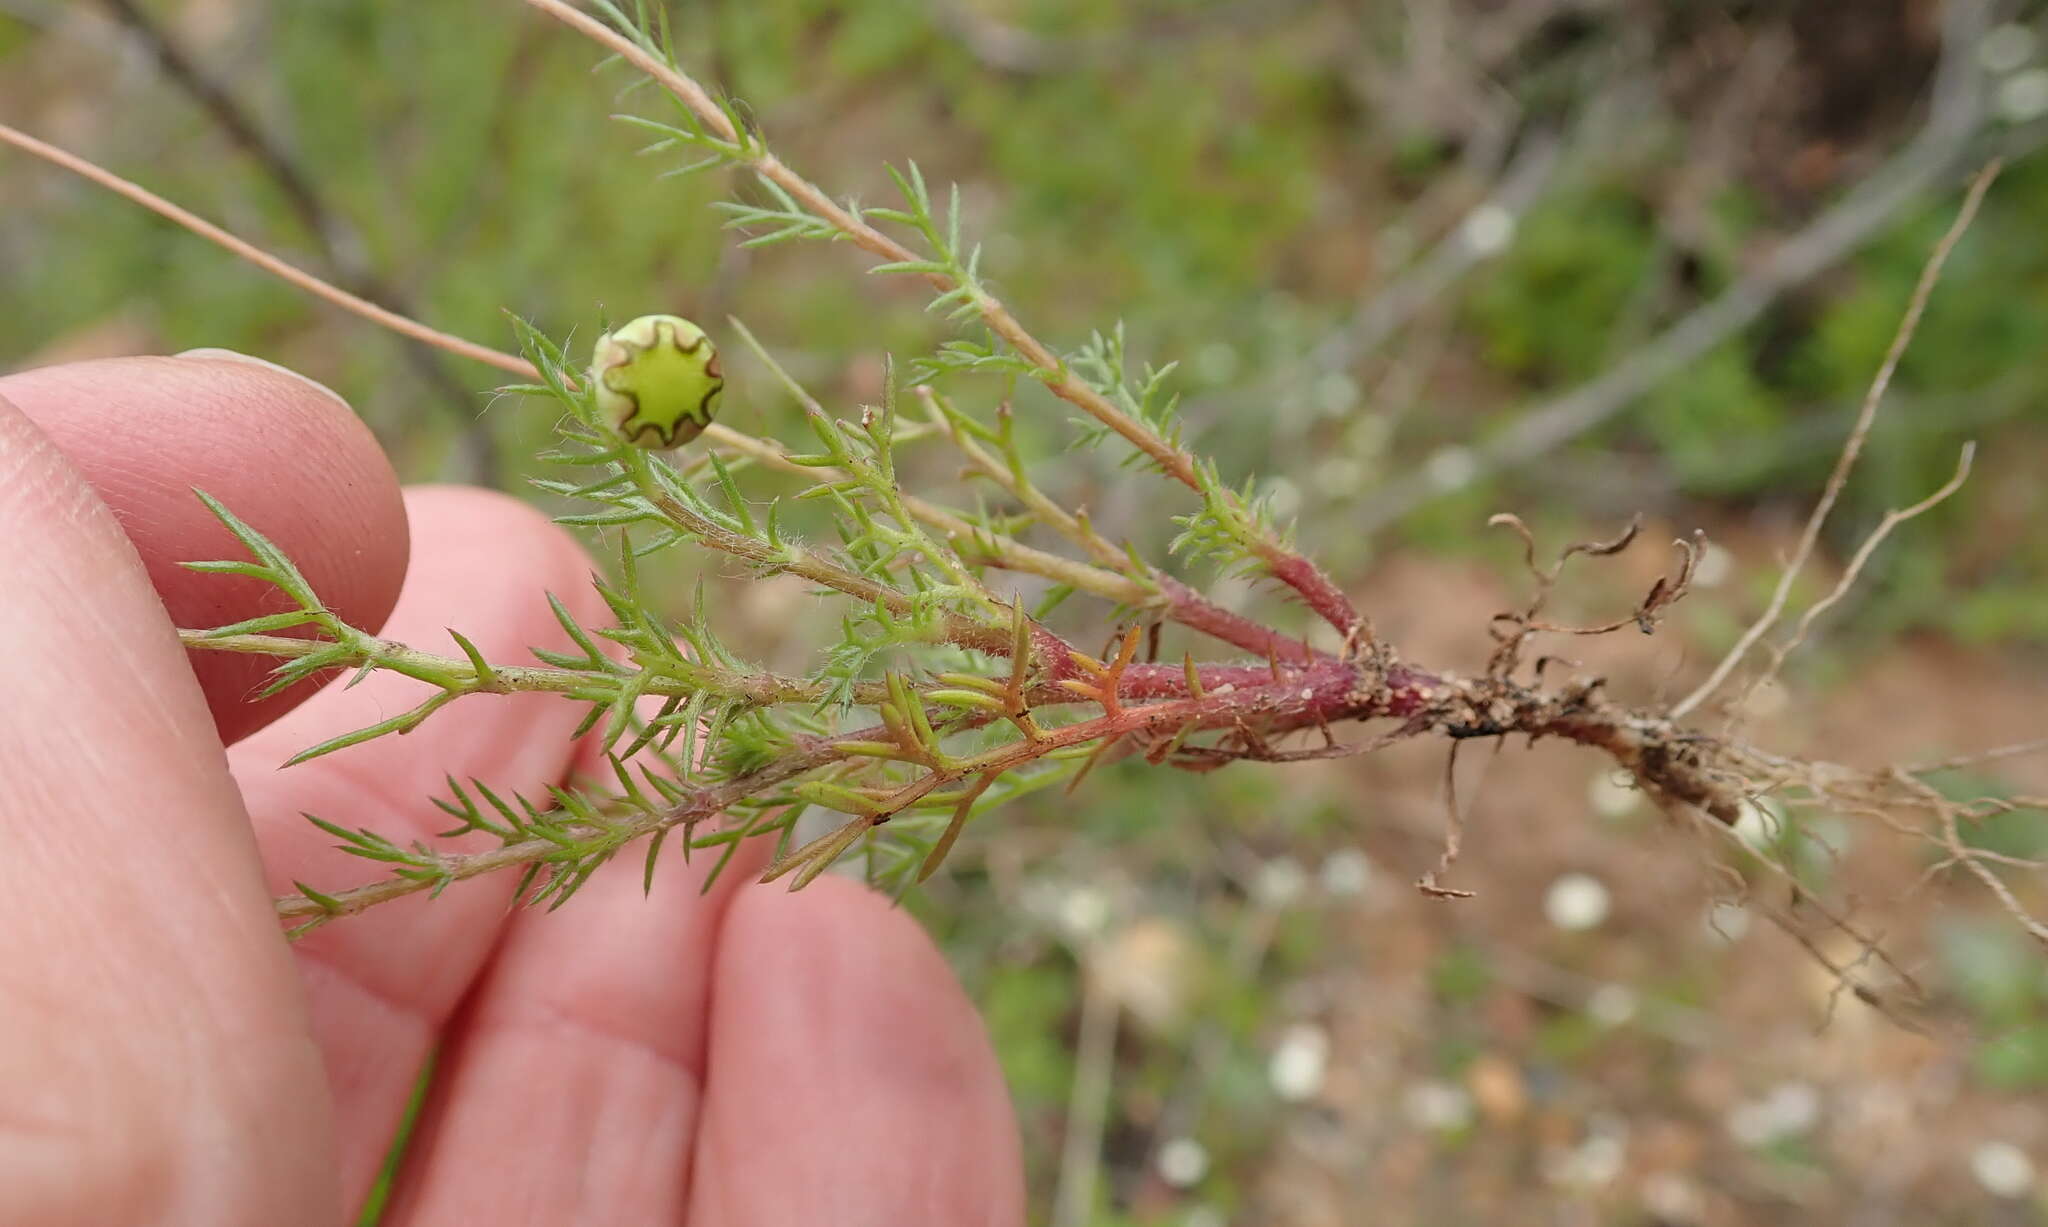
<point>1286,565</point>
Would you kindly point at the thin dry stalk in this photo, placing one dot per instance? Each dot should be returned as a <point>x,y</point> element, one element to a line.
<point>1980,757</point>
<point>281,269</point>
<point>345,249</point>
<point>1892,519</point>
<point>1851,450</point>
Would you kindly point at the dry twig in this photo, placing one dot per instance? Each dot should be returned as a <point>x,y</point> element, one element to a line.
<point>343,245</point>
<point>1955,113</point>
<point>1851,450</point>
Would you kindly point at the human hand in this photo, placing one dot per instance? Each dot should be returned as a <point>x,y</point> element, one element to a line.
<point>747,1056</point>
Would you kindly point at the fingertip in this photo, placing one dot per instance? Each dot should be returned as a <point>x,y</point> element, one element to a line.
<point>836,1018</point>
<point>283,453</point>
<point>216,354</point>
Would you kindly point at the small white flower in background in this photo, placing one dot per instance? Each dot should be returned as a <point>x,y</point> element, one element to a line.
<point>1613,794</point>
<point>1760,824</point>
<point>1205,1216</point>
<point>1280,882</point>
<point>1450,467</point>
<point>1751,1123</point>
<point>1439,1106</point>
<point>1078,912</point>
<point>1336,394</point>
<point>1576,902</point>
<point>1084,911</point>
<point>1183,1162</point>
<point>1346,873</point>
<point>2006,48</point>
<point>1611,1005</point>
<point>2003,1169</point>
<point>1489,230</point>
<point>1300,1062</point>
<point>1589,1165</point>
<point>1149,967</point>
<point>2023,96</point>
<point>1673,1198</point>
<point>1039,898</point>
<point>1725,921</point>
<point>1797,1105</point>
<point>1787,1111</point>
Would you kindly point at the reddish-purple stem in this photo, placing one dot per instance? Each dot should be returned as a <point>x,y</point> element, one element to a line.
<point>1192,609</point>
<point>1318,591</point>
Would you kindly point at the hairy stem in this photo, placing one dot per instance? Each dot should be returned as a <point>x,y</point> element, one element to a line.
<point>758,689</point>
<point>1156,709</point>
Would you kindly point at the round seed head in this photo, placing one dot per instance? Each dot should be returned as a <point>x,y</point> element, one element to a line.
<point>657,380</point>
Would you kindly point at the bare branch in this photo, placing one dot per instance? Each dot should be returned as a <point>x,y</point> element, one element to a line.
<point>341,242</point>
<point>1892,519</point>
<point>1851,449</point>
<point>1972,860</point>
<point>1980,757</point>
<point>1955,115</point>
<point>283,270</point>
<point>1410,292</point>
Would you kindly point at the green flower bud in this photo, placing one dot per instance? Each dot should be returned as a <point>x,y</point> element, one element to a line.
<point>657,379</point>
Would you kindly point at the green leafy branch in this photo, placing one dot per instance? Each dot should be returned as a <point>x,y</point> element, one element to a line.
<point>732,739</point>
<point>942,697</point>
<point>1143,417</point>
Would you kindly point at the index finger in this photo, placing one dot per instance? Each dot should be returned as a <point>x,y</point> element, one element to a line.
<point>278,450</point>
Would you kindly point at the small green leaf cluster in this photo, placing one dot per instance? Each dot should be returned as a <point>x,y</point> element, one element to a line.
<point>712,733</point>
<point>1148,396</point>
<point>1229,527</point>
<point>648,28</point>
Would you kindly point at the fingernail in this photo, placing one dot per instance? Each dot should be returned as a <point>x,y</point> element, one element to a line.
<point>213,354</point>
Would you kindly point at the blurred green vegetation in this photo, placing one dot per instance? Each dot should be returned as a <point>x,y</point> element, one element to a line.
<point>1230,180</point>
